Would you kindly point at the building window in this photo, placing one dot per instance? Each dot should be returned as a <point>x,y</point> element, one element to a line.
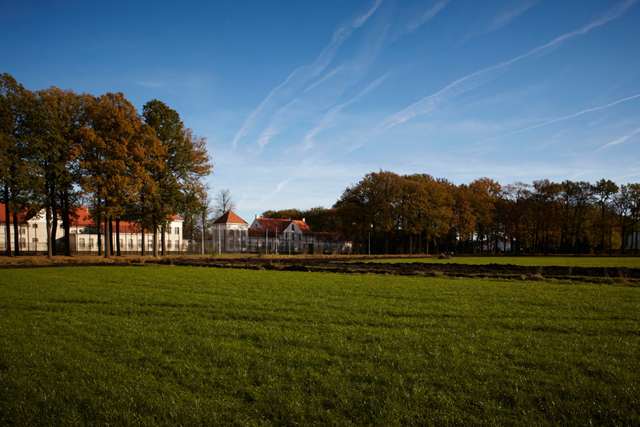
<point>35,225</point>
<point>130,243</point>
<point>33,240</point>
<point>168,244</point>
<point>90,243</point>
<point>82,243</point>
<point>177,230</point>
<point>23,231</point>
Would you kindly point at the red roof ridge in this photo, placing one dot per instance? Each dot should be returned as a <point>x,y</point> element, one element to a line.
<point>230,218</point>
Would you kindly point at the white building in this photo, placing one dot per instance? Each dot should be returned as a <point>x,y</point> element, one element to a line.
<point>232,234</point>
<point>32,234</point>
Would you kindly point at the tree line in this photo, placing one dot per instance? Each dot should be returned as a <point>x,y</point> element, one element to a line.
<point>59,149</point>
<point>422,214</point>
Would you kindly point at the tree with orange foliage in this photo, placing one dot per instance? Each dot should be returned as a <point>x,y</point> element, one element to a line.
<point>483,195</point>
<point>117,157</point>
<point>513,212</point>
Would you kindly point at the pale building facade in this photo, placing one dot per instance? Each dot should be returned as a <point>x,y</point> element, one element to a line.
<point>32,234</point>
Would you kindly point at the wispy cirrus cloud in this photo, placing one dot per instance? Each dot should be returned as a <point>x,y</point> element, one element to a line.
<point>301,75</point>
<point>328,118</point>
<point>426,16</point>
<point>620,140</point>
<point>273,193</point>
<point>506,17</point>
<point>323,93</point>
<point>478,78</point>
<point>570,116</point>
<point>152,84</point>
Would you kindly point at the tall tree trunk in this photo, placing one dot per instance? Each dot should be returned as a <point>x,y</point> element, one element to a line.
<point>118,249</point>
<point>144,240</point>
<point>163,234</point>
<point>155,240</point>
<point>49,240</point>
<point>66,222</point>
<point>203,221</point>
<point>7,215</point>
<point>99,225</point>
<point>54,220</point>
<point>107,237</point>
<point>111,243</point>
<point>16,234</point>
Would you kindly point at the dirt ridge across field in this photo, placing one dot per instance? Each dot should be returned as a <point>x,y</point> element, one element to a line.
<point>360,265</point>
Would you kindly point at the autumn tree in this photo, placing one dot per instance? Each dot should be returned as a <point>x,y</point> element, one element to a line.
<point>185,164</point>
<point>483,195</point>
<point>58,127</point>
<point>18,176</point>
<point>604,190</point>
<point>514,211</point>
<point>434,208</point>
<point>294,214</point>
<point>622,205</point>
<point>117,158</point>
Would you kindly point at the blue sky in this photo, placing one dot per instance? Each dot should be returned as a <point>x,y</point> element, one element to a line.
<point>300,99</point>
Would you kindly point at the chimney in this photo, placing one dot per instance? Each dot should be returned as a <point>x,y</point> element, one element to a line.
<point>256,216</point>
<point>304,220</point>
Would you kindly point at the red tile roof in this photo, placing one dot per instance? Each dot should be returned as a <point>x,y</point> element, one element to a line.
<point>230,218</point>
<point>304,227</point>
<point>80,217</point>
<point>274,224</point>
<point>24,215</point>
<point>259,232</point>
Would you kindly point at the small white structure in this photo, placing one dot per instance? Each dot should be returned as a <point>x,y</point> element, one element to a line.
<point>229,233</point>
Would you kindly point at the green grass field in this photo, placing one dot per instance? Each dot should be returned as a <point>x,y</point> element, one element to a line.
<point>200,346</point>
<point>535,261</point>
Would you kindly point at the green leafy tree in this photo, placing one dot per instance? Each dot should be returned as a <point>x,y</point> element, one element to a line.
<point>185,164</point>
<point>58,127</point>
<point>604,190</point>
<point>18,175</point>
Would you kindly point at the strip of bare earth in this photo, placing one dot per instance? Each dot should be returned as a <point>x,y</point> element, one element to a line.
<point>347,265</point>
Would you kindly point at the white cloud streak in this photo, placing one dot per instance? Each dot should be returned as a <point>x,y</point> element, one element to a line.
<point>427,16</point>
<point>273,193</point>
<point>505,18</point>
<point>579,113</point>
<point>620,140</point>
<point>308,140</point>
<point>303,74</point>
<point>473,80</point>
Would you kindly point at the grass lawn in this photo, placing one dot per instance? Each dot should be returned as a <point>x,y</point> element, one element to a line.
<point>198,346</point>
<point>561,261</point>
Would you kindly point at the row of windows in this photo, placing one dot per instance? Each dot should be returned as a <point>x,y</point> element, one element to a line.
<point>82,243</point>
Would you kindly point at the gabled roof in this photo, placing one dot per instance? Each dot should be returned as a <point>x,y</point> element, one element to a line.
<point>260,232</point>
<point>25,215</point>
<point>230,218</point>
<point>304,227</point>
<point>274,224</point>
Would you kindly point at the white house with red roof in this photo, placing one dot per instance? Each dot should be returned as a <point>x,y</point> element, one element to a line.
<point>232,234</point>
<point>229,232</point>
<point>32,233</point>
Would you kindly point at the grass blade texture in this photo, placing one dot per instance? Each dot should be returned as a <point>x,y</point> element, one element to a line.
<point>199,346</point>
